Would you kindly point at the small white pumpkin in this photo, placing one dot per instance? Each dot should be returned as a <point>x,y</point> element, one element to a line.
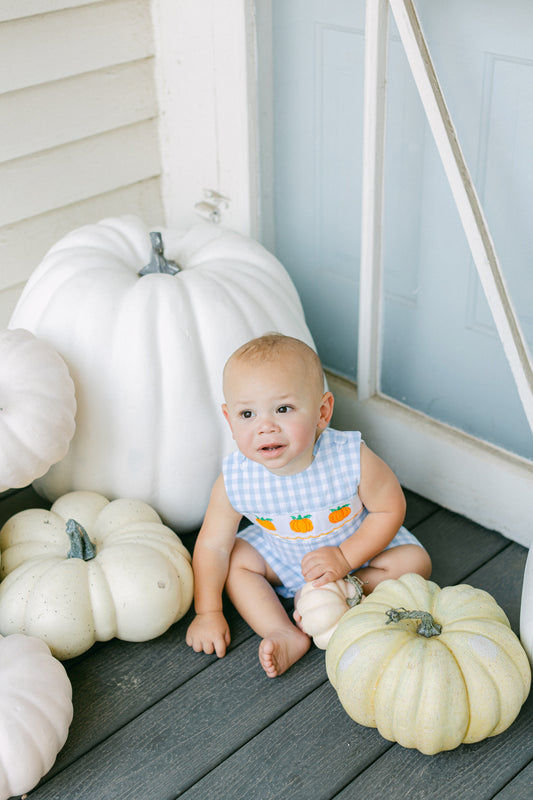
<point>526,608</point>
<point>430,668</point>
<point>146,345</point>
<point>37,408</point>
<point>89,570</point>
<point>322,607</point>
<point>36,704</point>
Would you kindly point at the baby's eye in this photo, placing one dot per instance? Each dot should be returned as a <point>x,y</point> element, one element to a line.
<point>246,414</point>
<point>284,409</point>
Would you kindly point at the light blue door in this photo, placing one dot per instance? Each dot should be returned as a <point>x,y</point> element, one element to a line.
<point>441,353</point>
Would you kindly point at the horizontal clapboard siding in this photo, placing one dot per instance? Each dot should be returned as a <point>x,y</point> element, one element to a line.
<point>77,170</point>
<point>48,47</point>
<point>27,241</point>
<point>125,94</point>
<point>15,9</point>
<point>80,136</point>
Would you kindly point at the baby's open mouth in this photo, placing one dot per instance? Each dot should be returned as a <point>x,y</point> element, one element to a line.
<point>271,447</point>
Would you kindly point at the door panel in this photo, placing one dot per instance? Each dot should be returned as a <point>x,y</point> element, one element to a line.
<point>441,354</point>
<point>318,54</point>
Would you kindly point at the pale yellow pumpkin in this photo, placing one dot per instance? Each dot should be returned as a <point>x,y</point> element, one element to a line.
<point>429,687</point>
<point>322,607</point>
<point>89,570</point>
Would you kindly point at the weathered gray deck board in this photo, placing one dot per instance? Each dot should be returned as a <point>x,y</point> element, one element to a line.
<point>116,682</point>
<point>457,546</point>
<point>312,751</point>
<point>173,744</point>
<point>520,788</point>
<point>502,578</point>
<point>475,771</point>
<point>157,720</point>
<point>317,746</point>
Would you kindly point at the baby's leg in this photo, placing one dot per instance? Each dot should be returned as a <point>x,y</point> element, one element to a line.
<point>394,563</point>
<point>249,587</point>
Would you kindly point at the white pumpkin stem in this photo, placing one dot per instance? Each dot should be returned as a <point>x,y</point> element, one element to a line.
<point>428,627</point>
<point>358,584</point>
<point>158,263</point>
<point>80,544</point>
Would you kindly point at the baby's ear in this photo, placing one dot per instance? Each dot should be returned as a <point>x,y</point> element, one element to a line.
<point>226,414</point>
<point>326,410</point>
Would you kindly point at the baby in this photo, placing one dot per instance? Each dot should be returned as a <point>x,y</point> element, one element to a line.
<point>321,502</point>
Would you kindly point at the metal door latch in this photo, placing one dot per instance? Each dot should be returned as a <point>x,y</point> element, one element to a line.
<point>210,207</point>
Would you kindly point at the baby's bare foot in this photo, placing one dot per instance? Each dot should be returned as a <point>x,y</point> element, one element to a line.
<point>281,650</point>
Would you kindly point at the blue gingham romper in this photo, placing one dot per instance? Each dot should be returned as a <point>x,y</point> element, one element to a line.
<point>294,514</point>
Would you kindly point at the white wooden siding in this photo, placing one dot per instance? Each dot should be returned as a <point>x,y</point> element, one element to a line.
<point>16,9</point>
<point>48,47</point>
<point>81,116</point>
<point>79,121</point>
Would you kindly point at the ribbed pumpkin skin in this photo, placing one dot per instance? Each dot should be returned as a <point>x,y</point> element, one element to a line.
<point>322,607</point>
<point>433,694</point>
<point>137,585</point>
<point>147,353</point>
<point>36,703</point>
<point>37,408</point>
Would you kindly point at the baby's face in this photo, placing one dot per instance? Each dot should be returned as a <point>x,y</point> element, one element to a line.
<point>275,411</point>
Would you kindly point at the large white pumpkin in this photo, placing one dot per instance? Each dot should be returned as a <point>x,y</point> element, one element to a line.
<point>37,408</point>
<point>89,570</point>
<point>146,353</point>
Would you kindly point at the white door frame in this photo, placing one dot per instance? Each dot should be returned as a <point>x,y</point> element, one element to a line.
<point>206,79</point>
<point>479,480</point>
<point>464,194</point>
<point>208,87</point>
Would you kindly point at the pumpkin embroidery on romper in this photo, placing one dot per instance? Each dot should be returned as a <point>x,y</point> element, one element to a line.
<point>266,523</point>
<point>301,524</point>
<point>338,514</point>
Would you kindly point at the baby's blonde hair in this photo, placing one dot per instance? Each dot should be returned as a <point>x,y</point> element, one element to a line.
<point>270,346</point>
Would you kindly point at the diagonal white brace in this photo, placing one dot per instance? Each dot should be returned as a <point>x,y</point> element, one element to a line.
<point>466,200</point>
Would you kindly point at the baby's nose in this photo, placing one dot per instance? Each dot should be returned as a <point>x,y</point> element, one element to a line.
<point>267,424</point>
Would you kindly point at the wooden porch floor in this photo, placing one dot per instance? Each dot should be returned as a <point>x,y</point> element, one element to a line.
<point>158,721</point>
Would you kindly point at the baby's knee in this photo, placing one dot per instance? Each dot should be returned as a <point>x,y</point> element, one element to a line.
<point>245,559</point>
<point>240,553</point>
<point>244,556</point>
<point>398,561</point>
<point>419,561</point>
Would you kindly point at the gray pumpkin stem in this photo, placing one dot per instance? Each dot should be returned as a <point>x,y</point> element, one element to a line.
<point>80,544</point>
<point>358,596</point>
<point>428,627</point>
<point>158,264</point>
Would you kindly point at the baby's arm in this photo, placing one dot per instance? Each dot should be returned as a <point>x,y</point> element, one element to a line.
<point>209,631</point>
<point>382,496</point>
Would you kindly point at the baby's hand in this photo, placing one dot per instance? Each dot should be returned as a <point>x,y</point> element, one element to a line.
<point>209,633</point>
<point>323,565</point>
